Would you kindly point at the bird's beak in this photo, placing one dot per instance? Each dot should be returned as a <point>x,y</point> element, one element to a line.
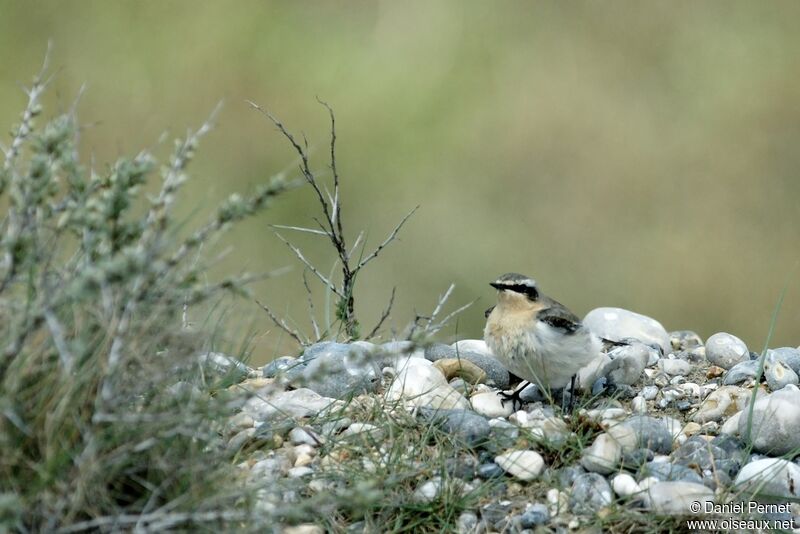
<point>496,286</point>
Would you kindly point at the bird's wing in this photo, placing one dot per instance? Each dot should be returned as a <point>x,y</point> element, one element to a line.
<point>559,317</point>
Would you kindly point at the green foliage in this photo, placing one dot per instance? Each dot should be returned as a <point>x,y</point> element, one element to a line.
<point>107,419</point>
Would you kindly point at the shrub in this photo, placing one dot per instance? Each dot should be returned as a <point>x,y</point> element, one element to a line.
<point>107,419</point>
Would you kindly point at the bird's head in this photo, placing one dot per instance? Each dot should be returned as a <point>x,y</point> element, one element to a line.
<point>516,291</point>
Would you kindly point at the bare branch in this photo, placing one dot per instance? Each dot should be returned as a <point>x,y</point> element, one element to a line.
<point>300,229</point>
<point>388,240</point>
<point>384,316</point>
<point>450,316</point>
<point>355,245</point>
<point>442,299</point>
<point>280,323</point>
<point>314,324</point>
<point>310,266</point>
<point>303,153</point>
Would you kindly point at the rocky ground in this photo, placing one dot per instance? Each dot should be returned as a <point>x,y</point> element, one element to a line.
<point>363,438</point>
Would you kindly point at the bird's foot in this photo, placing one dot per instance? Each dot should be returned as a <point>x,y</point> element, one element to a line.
<point>514,397</point>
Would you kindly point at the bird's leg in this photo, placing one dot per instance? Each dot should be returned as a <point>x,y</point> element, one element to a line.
<point>571,404</point>
<point>514,395</point>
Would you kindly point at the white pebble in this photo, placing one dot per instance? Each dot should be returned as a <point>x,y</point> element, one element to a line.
<point>524,465</point>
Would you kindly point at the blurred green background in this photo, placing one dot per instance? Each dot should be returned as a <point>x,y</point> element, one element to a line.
<point>642,155</point>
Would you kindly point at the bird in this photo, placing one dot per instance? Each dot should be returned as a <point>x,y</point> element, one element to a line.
<point>536,337</point>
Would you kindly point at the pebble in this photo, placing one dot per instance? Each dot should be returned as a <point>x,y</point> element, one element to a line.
<point>649,392</point>
<point>639,405</point>
<point>617,324</point>
<point>677,498</point>
<point>773,477</point>
<point>671,471</point>
<point>489,470</point>
<point>592,372</point>
<point>627,363</point>
<point>472,345</point>
<point>364,430</point>
<point>603,456</point>
<point>535,514</point>
<point>779,375</point>
<point>788,356</point>
<point>625,486</point>
<point>675,366</point>
<point>428,491</point>
<point>461,368</point>
<point>489,404</point>
<point>726,350</point>
<point>437,351</point>
<point>642,431</point>
<point>223,366</point>
<point>299,435</point>
<point>337,370</point>
<point>715,371</point>
<point>466,426</point>
<point>741,372</point>
<point>685,339</point>
<point>402,348</point>
<point>288,404</point>
<point>731,425</point>
<point>425,386</point>
<point>525,465</point>
<point>467,523</point>
<point>504,433</point>
<point>589,493</point>
<point>300,472</point>
<point>276,366</point>
<point>723,402</point>
<point>531,393</point>
<point>550,430</point>
<point>776,422</point>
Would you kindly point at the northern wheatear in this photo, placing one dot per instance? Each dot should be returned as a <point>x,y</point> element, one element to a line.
<point>535,337</point>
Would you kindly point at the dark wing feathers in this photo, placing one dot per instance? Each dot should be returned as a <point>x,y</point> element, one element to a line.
<point>559,317</point>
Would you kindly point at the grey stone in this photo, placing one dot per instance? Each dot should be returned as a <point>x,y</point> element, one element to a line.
<point>504,434</point>
<point>568,474</point>
<point>642,431</point>
<point>531,393</point>
<point>337,370</point>
<point>496,374</point>
<point>649,392</point>
<point>671,471</point>
<point>589,493</point>
<point>787,355</point>
<point>222,366</point>
<point>277,365</point>
<point>741,372</point>
<point>496,511</point>
<point>467,426</point>
<point>768,479</point>
<point>779,375</point>
<point>677,498</point>
<point>490,470</point>
<point>617,324</point>
<point>726,350</point>
<point>684,339</point>
<point>467,523</point>
<point>776,422</point>
<point>437,351</point>
<point>301,402</point>
<point>627,363</point>
<point>675,366</point>
<point>536,514</point>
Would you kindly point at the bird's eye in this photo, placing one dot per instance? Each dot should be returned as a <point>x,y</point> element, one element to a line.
<point>531,293</point>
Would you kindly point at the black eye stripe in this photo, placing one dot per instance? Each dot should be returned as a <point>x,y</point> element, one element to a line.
<point>530,291</point>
